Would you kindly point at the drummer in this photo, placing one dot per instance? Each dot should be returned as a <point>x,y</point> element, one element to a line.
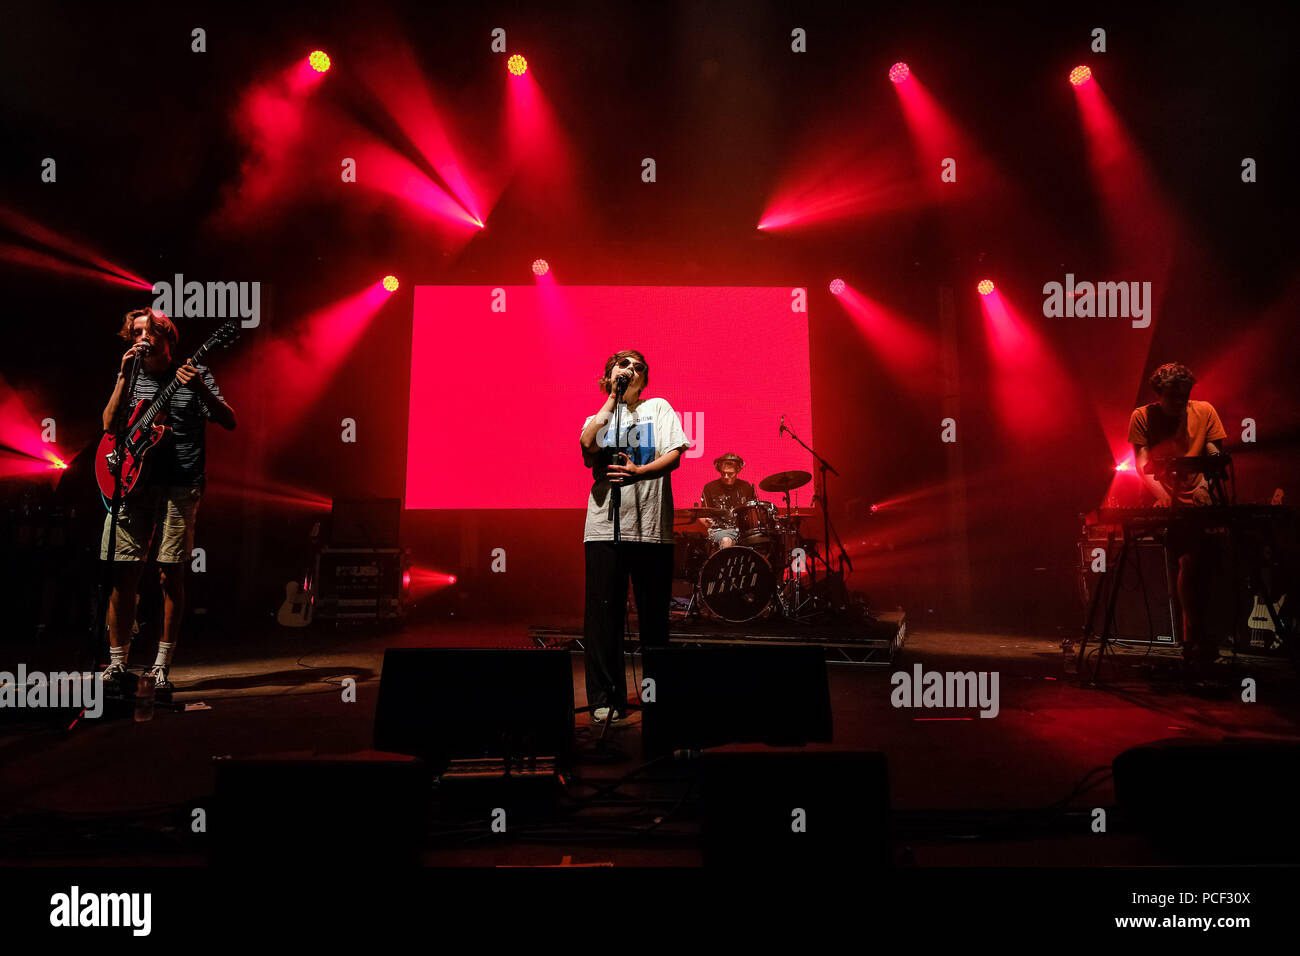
<point>728,491</point>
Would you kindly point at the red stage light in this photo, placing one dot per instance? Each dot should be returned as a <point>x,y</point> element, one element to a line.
<point>899,72</point>
<point>406,580</point>
<point>837,286</point>
<point>517,65</point>
<point>390,283</point>
<point>541,267</point>
<point>319,60</point>
<point>985,287</point>
<point>1080,75</point>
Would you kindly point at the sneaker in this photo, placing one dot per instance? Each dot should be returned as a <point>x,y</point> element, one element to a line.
<point>113,673</point>
<point>600,715</point>
<point>162,687</point>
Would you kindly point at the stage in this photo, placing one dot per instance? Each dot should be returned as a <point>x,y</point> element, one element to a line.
<point>963,790</point>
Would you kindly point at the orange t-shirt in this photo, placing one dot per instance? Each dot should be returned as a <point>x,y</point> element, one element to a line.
<point>1165,437</point>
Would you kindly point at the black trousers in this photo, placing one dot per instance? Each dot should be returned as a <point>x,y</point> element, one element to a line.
<point>610,564</point>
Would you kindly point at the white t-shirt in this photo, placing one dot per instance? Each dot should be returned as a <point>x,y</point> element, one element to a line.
<point>646,512</point>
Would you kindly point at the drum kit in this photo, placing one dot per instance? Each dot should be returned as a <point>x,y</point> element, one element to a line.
<point>749,562</point>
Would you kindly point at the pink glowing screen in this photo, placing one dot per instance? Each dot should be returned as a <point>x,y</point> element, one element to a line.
<point>498,398</point>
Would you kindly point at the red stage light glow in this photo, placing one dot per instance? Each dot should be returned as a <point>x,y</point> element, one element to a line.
<point>985,287</point>
<point>421,581</point>
<point>390,283</point>
<point>899,72</point>
<point>517,65</point>
<point>319,60</point>
<point>1080,75</point>
<point>905,350</point>
<point>837,286</point>
<point>78,259</point>
<point>401,90</point>
<point>541,267</point>
<point>23,449</point>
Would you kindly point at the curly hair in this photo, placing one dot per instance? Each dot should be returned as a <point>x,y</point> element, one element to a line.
<point>1172,377</point>
<point>158,324</point>
<point>606,382</point>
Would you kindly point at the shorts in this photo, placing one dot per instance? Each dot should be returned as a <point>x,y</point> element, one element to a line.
<point>173,507</point>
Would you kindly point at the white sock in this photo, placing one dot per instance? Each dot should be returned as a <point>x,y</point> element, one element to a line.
<point>164,658</point>
<point>118,655</point>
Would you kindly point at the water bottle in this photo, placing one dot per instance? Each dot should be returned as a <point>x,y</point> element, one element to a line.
<point>144,695</point>
<point>1070,655</point>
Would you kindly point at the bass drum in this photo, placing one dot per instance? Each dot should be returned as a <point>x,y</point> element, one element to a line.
<point>737,585</point>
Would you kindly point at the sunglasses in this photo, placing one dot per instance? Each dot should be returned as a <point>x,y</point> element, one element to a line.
<point>635,366</point>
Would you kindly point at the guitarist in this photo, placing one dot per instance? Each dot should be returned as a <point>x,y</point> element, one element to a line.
<point>159,514</point>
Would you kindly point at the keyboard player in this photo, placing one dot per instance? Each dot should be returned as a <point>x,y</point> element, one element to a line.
<point>1176,425</point>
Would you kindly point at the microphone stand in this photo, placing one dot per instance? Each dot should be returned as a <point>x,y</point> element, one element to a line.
<point>829,532</point>
<point>107,579</point>
<point>616,511</point>
<point>616,495</point>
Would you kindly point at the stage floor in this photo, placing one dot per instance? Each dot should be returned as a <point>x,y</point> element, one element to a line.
<point>109,791</point>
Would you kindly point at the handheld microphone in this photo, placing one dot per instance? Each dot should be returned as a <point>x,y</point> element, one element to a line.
<point>144,348</point>
<point>621,385</point>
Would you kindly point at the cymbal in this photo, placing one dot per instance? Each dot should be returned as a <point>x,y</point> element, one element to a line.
<point>785,481</point>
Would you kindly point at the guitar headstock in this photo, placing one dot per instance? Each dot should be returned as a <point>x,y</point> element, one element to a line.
<point>226,334</point>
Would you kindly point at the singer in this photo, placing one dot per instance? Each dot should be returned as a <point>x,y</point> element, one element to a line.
<point>632,445</point>
<point>170,491</point>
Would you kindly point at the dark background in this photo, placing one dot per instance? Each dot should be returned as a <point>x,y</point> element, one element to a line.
<point>149,148</point>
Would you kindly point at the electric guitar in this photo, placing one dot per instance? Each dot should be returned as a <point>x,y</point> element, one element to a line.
<point>127,454</point>
<point>1263,632</point>
<point>296,609</point>
<point>299,597</point>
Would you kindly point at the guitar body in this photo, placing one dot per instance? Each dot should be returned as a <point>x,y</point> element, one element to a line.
<point>1263,632</point>
<point>130,454</point>
<point>296,610</point>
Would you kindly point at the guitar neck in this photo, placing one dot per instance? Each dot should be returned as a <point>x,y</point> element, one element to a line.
<point>163,397</point>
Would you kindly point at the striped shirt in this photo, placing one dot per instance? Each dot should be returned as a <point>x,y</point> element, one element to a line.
<point>179,460</point>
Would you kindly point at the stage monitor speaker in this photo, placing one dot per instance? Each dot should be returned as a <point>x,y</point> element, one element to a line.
<point>709,696</point>
<point>466,703</point>
<point>298,809</point>
<point>365,523</point>
<point>1225,802</point>
<point>796,810</point>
